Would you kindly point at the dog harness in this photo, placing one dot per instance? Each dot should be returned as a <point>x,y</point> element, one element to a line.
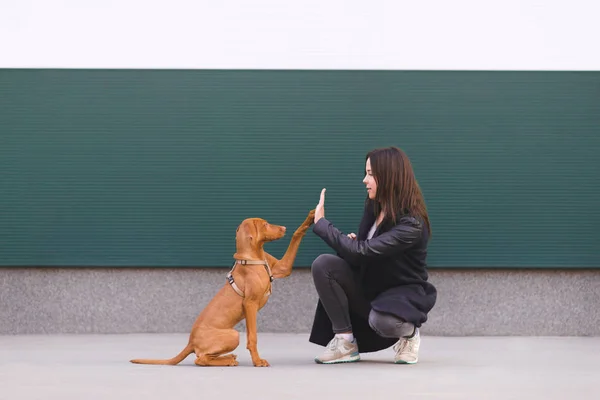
<point>245,262</point>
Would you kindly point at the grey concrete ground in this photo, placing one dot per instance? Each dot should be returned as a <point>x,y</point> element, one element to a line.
<point>96,367</point>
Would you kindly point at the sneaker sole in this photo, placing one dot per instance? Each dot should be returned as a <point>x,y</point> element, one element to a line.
<point>405,362</point>
<point>345,359</point>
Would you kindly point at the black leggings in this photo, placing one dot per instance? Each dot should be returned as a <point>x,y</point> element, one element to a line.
<point>339,293</point>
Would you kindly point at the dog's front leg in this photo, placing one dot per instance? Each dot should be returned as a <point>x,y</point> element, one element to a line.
<point>283,268</point>
<point>250,305</point>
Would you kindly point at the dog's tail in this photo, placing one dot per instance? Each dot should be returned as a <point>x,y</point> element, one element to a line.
<point>173,361</point>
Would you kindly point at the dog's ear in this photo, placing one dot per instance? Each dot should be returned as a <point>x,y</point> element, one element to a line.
<point>257,231</point>
<point>246,231</point>
<point>260,227</point>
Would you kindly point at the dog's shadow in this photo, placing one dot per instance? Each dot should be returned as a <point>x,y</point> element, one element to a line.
<point>286,363</point>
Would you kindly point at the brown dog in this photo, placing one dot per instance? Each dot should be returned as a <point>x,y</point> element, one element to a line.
<point>246,292</point>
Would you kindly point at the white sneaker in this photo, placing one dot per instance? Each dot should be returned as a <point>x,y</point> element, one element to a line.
<point>339,350</point>
<point>407,349</point>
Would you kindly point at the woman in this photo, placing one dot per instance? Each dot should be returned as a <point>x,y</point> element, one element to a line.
<point>375,292</point>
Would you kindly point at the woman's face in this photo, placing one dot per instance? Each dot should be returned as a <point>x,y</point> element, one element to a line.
<point>369,181</point>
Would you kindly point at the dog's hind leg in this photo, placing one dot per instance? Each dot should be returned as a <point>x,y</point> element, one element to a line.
<point>206,360</point>
<point>222,341</point>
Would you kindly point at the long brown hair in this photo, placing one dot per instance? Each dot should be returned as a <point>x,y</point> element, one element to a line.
<point>398,192</point>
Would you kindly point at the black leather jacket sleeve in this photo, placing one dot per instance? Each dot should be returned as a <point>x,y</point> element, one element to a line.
<point>403,235</point>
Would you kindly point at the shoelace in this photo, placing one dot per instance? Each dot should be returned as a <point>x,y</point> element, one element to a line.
<point>403,345</point>
<point>333,344</point>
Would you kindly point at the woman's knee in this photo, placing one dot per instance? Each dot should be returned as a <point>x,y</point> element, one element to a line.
<point>379,324</point>
<point>389,326</point>
<point>324,264</point>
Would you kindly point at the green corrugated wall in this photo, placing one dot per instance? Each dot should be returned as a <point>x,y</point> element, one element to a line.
<point>158,167</point>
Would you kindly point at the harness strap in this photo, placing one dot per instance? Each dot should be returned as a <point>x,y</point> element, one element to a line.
<point>235,287</point>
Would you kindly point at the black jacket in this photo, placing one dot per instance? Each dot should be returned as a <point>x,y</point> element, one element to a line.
<point>390,268</point>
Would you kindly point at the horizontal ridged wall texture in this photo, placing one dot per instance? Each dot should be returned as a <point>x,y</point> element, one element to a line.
<point>158,167</point>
